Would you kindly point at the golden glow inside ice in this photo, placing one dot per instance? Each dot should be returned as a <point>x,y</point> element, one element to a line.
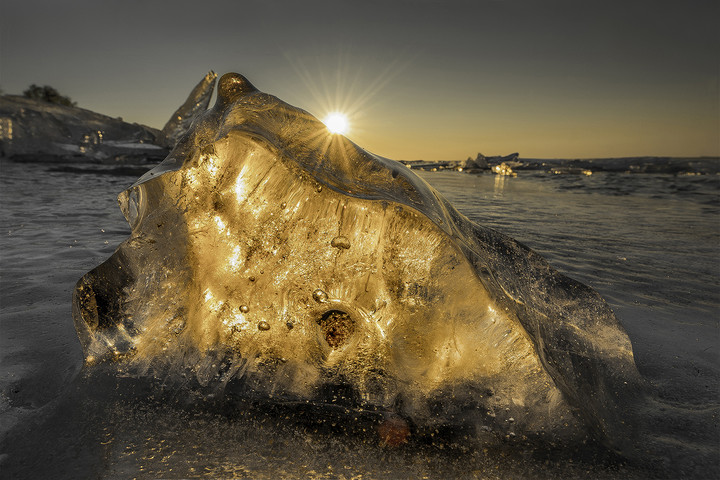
<point>235,260</point>
<point>337,122</point>
<point>262,239</point>
<point>240,187</point>
<point>219,222</point>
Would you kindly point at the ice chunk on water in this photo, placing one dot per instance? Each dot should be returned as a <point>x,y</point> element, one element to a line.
<point>271,256</point>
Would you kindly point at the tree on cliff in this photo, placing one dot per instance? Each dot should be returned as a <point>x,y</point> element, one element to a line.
<point>48,94</point>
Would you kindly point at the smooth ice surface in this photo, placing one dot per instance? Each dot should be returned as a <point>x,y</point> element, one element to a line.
<point>272,258</point>
<point>196,103</point>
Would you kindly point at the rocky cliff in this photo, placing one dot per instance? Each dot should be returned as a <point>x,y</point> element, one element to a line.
<point>34,130</point>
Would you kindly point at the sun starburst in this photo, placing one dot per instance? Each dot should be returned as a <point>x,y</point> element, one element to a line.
<point>337,122</point>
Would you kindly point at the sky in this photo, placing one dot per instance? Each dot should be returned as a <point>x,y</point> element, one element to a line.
<point>419,79</point>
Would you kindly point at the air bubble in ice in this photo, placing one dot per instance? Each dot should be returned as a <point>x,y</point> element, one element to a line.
<point>340,242</point>
<point>177,325</point>
<point>320,296</point>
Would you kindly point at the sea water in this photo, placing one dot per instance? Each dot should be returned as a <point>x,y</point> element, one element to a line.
<point>648,243</point>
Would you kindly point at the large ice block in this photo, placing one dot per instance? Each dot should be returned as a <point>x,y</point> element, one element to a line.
<point>270,255</point>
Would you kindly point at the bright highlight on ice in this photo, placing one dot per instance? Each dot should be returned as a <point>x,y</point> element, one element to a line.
<point>336,122</point>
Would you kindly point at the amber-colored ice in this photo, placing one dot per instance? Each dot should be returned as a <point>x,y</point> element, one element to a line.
<point>268,253</point>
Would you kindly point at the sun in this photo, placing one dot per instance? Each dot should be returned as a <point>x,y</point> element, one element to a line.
<point>337,122</point>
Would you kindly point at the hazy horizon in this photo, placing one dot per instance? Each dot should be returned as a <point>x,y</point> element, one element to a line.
<point>419,79</point>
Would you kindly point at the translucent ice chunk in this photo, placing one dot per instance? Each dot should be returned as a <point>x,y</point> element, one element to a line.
<point>196,103</point>
<point>268,253</point>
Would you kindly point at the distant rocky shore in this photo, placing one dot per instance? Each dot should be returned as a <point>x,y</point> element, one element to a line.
<point>34,130</point>
<point>38,131</point>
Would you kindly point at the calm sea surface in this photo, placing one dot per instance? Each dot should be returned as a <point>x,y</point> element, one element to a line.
<point>650,244</point>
